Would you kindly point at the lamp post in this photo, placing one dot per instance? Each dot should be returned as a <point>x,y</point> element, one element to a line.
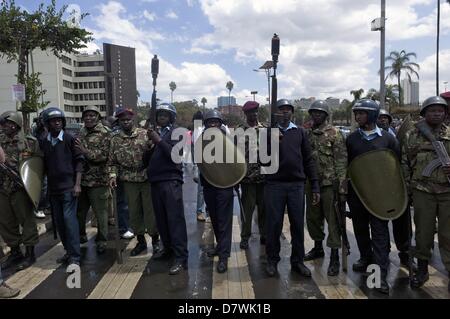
<point>379,24</point>
<point>266,68</point>
<point>254,93</point>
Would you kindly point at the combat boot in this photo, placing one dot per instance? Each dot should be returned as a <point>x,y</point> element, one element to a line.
<point>361,265</point>
<point>315,253</point>
<point>404,261</point>
<point>140,246</point>
<point>156,244</point>
<point>333,268</point>
<point>422,275</point>
<point>384,286</point>
<point>14,257</point>
<point>29,259</point>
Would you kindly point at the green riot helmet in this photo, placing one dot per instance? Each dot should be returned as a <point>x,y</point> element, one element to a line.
<point>433,100</point>
<point>320,105</point>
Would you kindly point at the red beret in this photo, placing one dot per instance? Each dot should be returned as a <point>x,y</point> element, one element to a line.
<point>250,105</point>
<point>123,111</point>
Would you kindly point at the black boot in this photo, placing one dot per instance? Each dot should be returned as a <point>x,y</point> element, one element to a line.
<point>156,244</point>
<point>29,259</point>
<point>362,264</point>
<point>384,286</point>
<point>316,252</point>
<point>421,276</point>
<point>14,257</point>
<point>333,268</point>
<point>140,246</point>
<point>404,261</point>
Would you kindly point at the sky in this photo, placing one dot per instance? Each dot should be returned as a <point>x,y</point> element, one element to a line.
<point>327,47</point>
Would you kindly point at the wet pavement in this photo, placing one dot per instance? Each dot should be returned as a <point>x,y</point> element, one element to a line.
<point>144,278</point>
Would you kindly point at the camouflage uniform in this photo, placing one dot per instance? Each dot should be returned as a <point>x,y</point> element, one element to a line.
<point>16,208</point>
<point>330,155</point>
<point>430,195</point>
<point>126,160</point>
<point>95,191</point>
<point>252,192</point>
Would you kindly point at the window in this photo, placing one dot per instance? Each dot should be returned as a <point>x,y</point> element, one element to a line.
<point>75,86</point>
<point>68,84</point>
<point>91,85</point>
<point>66,72</point>
<point>93,73</point>
<point>95,85</point>
<point>68,96</point>
<point>101,85</point>
<point>66,60</point>
<point>96,97</point>
<point>90,63</point>
<point>91,97</point>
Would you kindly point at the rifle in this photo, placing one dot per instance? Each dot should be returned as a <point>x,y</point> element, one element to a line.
<point>151,121</point>
<point>13,175</point>
<point>341,214</point>
<point>439,147</point>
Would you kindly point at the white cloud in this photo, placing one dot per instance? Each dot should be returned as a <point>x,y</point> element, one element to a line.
<point>427,83</point>
<point>190,3</point>
<point>194,80</point>
<point>171,15</point>
<point>149,16</point>
<point>327,47</point>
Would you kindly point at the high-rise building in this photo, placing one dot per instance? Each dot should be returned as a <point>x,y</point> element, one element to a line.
<point>75,81</point>
<point>333,102</point>
<point>410,92</point>
<point>225,100</point>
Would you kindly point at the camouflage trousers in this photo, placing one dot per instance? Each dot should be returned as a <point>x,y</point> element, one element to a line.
<point>98,198</point>
<point>315,216</point>
<point>16,210</point>
<point>142,216</point>
<point>252,195</point>
<point>428,207</point>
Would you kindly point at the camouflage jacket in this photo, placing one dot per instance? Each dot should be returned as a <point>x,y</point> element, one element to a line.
<point>253,175</point>
<point>97,143</point>
<point>126,156</point>
<point>417,152</point>
<point>330,154</point>
<point>16,150</point>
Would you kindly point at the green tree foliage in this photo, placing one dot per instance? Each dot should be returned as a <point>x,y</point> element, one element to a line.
<point>172,87</point>
<point>233,120</point>
<point>34,93</point>
<point>185,112</point>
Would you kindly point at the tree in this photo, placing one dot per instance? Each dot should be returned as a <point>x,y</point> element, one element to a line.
<point>438,31</point>
<point>373,94</point>
<point>172,87</point>
<point>401,63</point>
<point>185,112</point>
<point>23,31</point>
<point>356,95</point>
<point>204,101</point>
<point>229,87</point>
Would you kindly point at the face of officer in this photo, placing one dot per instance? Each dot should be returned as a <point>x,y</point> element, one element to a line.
<point>318,117</point>
<point>213,123</point>
<point>10,128</point>
<point>252,116</point>
<point>286,115</point>
<point>90,119</point>
<point>163,118</point>
<point>126,122</point>
<point>361,118</point>
<point>383,122</point>
<point>55,125</point>
<point>435,115</point>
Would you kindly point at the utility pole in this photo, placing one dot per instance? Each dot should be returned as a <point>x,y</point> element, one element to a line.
<point>437,45</point>
<point>382,54</point>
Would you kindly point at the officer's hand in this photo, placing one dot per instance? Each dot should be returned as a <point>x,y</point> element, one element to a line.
<point>446,170</point>
<point>76,190</point>
<point>113,182</point>
<point>315,199</point>
<point>80,146</point>
<point>153,136</point>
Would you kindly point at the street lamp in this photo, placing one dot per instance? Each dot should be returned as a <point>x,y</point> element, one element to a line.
<point>266,68</point>
<point>254,93</point>
<point>379,24</point>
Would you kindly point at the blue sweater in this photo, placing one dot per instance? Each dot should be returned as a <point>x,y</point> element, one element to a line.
<point>62,162</point>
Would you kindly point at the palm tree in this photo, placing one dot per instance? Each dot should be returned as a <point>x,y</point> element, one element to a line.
<point>229,87</point>
<point>401,62</point>
<point>204,101</point>
<point>373,94</point>
<point>437,42</point>
<point>172,87</point>
<point>356,94</point>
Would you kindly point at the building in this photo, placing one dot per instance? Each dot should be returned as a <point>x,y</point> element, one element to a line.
<point>410,92</point>
<point>231,110</point>
<point>225,100</point>
<point>74,82</point>
<point>333,103</point>
<point>305,103</point>
<point>120,77</point>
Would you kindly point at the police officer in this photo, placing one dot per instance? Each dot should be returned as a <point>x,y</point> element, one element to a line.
<point>94,144</point>
<point>127,153</point>
<point>286,188</point>
<point>16,207</point>
<point>371,232</point>
<point>253,183</point>
<point>401,227</point>
<point>329,152</point>
<point>220,204</point>
<point>166,177</point>
<point>430,195</point>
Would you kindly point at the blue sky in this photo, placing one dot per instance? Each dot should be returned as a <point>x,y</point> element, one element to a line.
<point>327,46</point>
